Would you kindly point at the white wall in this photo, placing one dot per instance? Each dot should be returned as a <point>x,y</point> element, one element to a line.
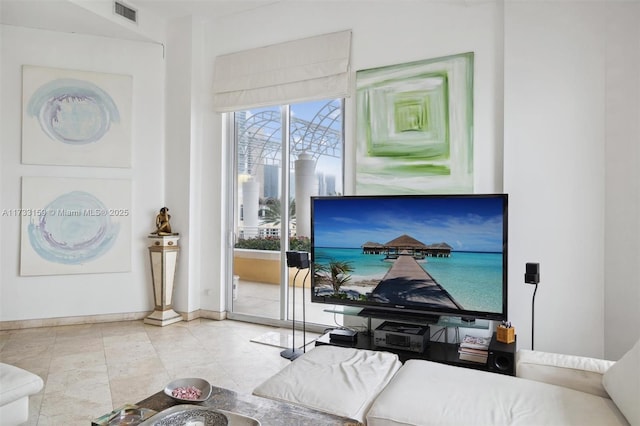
<point>25,298</point>
<point>192,167</point>
<point>558,107</point>
<point>422,30</point>
<point>622,178</point>
<point>179,146</point>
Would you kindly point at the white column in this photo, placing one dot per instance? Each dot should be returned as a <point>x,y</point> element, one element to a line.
<point>250,205</point>
<point>306,186</point>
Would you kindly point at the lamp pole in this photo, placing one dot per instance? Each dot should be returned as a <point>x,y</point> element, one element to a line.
<point>300,260</point>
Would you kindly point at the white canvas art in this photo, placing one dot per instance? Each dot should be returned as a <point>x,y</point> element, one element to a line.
<point>75,226</point>
<point>76,118</point>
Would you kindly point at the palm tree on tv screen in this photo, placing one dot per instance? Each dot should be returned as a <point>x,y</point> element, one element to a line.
<point>335,273</point>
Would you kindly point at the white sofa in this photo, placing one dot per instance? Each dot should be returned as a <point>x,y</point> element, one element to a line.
<point>374,388</point>
<point>16,385</point>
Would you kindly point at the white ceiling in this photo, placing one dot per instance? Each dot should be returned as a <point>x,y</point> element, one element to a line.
<point>52,15</point>
<point>213,9</point>
<point>76,16</point>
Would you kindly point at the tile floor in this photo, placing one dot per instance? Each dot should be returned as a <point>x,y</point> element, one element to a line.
<point>91,369</point>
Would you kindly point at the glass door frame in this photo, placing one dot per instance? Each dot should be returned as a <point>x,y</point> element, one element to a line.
<point>229,137</point>
<point>284,211</point>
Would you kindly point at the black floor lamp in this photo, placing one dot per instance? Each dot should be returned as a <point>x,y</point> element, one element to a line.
<point>532,276</point>
<point>300,260</point>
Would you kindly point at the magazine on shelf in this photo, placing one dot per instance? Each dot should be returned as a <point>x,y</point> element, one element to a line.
<point>473,351</point>
<point>473,342</point>
<point>481,359</point>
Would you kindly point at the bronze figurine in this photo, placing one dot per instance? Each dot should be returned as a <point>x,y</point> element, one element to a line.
<point>163,227</point>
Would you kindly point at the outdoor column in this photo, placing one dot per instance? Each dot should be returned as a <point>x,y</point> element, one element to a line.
<point>250,206</point>
<point>306,186</point>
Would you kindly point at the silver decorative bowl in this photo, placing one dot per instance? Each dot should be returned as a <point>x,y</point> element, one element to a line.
<point>186,414</point>
<point>201,384</point>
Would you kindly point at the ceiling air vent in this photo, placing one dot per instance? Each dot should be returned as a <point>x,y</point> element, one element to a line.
<point>126,12</point>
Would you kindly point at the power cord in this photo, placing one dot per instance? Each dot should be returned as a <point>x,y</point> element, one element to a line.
<point>533,303</point>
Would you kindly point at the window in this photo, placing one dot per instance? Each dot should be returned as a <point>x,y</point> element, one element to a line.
<point>283,156</point>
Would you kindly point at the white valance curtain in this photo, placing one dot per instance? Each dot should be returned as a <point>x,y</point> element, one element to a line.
<point>294,71</point>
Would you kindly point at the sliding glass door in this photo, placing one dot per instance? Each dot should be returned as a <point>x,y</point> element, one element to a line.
<point>283,156</point>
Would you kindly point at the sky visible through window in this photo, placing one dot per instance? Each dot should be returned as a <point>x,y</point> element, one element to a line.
<point>309,111</point>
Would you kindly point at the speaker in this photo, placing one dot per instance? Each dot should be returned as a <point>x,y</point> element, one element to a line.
<point>298,259</point>
<point>502,357</point>
<point>532,273</point>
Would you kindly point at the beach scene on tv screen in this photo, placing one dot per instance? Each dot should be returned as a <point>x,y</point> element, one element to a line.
<point>426,252</point>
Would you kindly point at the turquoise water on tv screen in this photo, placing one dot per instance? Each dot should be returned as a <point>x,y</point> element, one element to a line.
<point>473,279</point>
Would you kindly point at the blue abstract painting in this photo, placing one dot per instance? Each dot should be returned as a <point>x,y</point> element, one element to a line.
<point>77,234</point>
<point>73,111</point>
<point>76,118</point>
<point>73,226</point>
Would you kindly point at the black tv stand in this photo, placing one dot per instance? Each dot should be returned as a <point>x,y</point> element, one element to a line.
<point>445,353</point>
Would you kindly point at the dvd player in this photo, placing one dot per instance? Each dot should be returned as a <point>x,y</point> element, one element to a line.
<point>408,337</point>
<point>343,335</point>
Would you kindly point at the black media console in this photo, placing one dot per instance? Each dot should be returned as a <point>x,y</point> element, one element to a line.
<point>501,357</point>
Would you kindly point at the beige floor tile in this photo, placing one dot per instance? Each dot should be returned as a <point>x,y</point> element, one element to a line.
<point>135,388</point>
<point>136,366</point>
<point>71,407</point>
<point>117,329</point>
<point>129,351</point>
<point>88,358</point>
<point>78,380</point>
<point>91,369</point>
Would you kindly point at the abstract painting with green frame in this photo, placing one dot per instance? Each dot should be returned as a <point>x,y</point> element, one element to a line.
<point>415,127</point>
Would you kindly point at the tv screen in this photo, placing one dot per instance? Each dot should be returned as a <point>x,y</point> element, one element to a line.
<point>438,255</point>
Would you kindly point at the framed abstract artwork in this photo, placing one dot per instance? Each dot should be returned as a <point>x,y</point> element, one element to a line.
<point>75,226</point>
<point>414,127</point>
<point>75,118</point>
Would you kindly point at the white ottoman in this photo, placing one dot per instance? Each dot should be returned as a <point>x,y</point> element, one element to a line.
<point>341,381</point>
<point>16,385</point>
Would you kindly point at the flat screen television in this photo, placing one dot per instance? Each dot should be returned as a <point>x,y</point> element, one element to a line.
<point>421,256</point>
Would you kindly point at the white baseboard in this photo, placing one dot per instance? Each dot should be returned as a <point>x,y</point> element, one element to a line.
<point>95,319</point>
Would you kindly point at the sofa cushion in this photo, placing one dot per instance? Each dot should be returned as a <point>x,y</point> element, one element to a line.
<point>332,379</point>
<point>17,383</point>
<point>424,393</point>
<point>622,381</point>
<point>570,371</point>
